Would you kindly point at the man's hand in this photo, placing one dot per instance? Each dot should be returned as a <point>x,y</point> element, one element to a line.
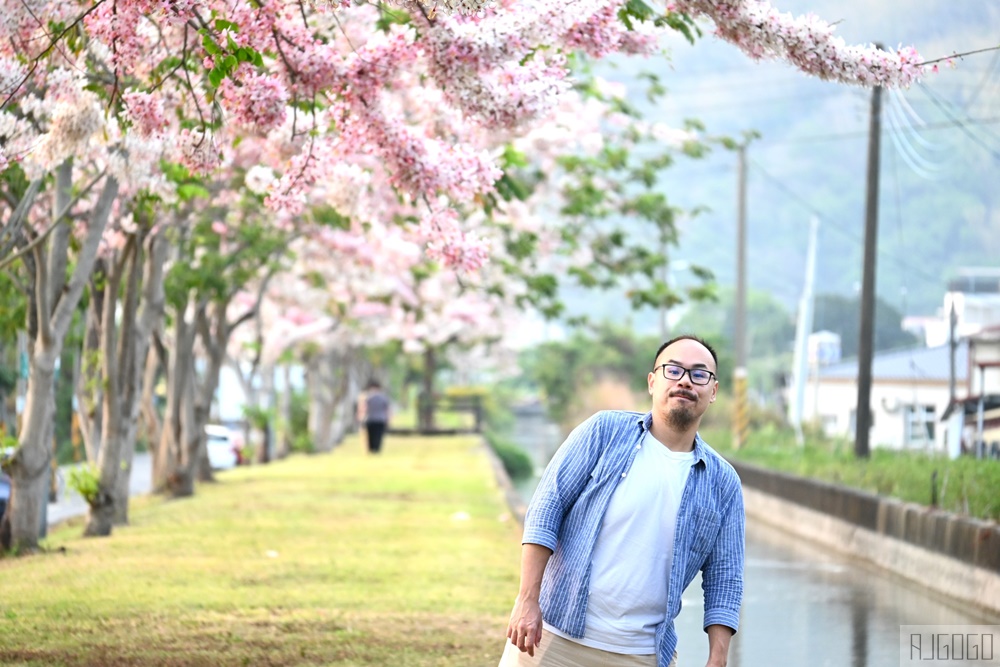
<point>525,627</point>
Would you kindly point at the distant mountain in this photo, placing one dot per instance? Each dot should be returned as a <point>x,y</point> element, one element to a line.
<point>939,205</point>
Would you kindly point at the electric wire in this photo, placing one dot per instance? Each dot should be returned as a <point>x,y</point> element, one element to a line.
<point>864,133</point>
<point>902,130</point>
<point>961,124</point>
<point>802,201</point>
<point>990,71</point>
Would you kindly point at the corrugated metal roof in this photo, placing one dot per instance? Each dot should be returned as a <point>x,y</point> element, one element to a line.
<point>923,363</point>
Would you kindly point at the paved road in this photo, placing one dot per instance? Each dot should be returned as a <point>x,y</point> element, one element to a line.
<point>69,503</point>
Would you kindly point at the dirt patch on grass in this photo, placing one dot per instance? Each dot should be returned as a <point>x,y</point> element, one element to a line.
<point>283,638</point>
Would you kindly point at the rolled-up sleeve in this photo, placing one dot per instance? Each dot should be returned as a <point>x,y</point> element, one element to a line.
<point>722,574</point>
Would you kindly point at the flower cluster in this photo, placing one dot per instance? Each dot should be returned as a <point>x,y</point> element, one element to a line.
<point>146,112</point>
<point>421,165</point>
<point>603,34</point>
<point>256,101</point>
<point>761,31</point>
<point>450,245</point>
<point>197,151</point>
<point>73,124</point>
<point>288,194</point>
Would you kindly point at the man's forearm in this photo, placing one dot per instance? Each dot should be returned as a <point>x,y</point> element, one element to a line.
<point>718,645</point>
<point>534,558</point>
<point>525,627</point>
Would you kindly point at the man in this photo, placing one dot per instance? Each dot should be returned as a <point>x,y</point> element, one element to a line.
<point>630,508</point>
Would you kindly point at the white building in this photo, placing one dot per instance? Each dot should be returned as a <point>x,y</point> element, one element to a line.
<point>975,296</point>
<point>974,417</point>
<point>909,396</point>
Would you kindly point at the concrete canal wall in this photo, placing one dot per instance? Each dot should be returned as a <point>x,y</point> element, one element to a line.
<point>952,555</point>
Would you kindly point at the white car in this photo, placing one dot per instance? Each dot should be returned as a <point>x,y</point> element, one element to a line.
<point>223,447</point>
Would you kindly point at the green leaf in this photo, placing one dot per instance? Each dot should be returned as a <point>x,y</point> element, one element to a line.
<point>215,76</point>
<point>210,45</point>
<point>189,191</point>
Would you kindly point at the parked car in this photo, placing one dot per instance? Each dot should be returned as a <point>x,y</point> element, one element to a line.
<point>223,446</point>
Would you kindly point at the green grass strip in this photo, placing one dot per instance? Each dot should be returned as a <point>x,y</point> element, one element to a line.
<point>965,486</point>
<point>405,558</point>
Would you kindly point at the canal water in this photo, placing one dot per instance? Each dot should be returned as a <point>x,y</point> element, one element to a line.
<point>803,605</point>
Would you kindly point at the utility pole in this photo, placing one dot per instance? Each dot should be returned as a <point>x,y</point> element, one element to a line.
<point>866,338</point>
<point>803,327</point>
<point>740,409</point>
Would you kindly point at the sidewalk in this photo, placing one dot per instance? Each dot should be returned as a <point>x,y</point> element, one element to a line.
<point>69,503</point>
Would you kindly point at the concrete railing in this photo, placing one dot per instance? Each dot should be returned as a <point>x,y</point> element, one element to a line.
<point>968,540</point>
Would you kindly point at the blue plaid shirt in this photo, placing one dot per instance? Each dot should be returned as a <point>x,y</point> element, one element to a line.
<point>567,509</point>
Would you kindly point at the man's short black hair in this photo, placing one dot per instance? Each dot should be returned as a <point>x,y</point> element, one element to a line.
<point>696,339</point>
<point>373,384</point>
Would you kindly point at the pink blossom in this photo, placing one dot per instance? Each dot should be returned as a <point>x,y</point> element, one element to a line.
<point>146,112</point>
<point>761,31</point>
<point>197,151</point>
<point>219,228</point>
<point>256,101</point>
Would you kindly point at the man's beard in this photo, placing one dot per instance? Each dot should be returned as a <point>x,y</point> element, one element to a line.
<point>681,417</point>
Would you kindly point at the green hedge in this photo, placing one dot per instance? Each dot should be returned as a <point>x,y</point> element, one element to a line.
<point>515,460</point>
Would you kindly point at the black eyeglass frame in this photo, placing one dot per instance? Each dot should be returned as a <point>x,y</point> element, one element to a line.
<point>663,369</point>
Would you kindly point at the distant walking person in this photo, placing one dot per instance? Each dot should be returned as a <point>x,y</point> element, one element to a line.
<point>373,412</point>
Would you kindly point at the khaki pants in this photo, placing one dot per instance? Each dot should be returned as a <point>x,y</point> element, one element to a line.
<point>556,651</point>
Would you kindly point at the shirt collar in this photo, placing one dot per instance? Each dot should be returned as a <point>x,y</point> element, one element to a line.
<point>646,423</point>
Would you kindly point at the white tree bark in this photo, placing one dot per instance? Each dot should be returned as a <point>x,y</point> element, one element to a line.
<point>53,300</point>
<point>124,342</point>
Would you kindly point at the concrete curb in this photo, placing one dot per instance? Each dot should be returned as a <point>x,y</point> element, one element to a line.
<point>517,506</point>
<point>949,554</point>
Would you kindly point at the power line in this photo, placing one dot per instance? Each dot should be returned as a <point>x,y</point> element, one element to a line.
<point>932,96</point>
<point>982,83</point>
<point>802,201</point>
<point>761,102</point>
<point>864,133</point>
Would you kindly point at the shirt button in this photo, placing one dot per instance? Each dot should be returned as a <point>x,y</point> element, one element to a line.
<point>623,475</point>
<point>638,446</point>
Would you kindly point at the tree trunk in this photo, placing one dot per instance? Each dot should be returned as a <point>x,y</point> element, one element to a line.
<point>263,454</point>
<point>135,350</point>
<point>426,402</point>
<point>173,473</point>
<point>214,330</point>
<point>30,466</point>
<point>108,458</point>
<point>286,402</point>
<point>148,420</point>
<point>52,303</point>
<point>88,388</point>
<point>318,382</point>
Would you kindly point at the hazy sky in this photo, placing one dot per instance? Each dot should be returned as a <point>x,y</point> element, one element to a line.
<point>814,143</point>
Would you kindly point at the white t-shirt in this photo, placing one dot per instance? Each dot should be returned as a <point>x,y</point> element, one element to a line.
<point>634,552</point>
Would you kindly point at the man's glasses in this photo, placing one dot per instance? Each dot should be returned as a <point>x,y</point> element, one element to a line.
<point>675,373</point>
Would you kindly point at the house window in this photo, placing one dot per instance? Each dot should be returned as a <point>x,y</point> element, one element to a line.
<point>918,425</point>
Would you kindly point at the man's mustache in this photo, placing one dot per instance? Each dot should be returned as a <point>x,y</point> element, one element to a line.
<point>686,394</point>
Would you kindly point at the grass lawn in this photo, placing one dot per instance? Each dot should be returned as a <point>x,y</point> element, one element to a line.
<point>406,558</point>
